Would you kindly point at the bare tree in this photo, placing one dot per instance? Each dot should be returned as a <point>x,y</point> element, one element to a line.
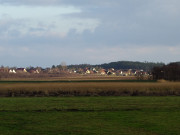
<point>63,65</point>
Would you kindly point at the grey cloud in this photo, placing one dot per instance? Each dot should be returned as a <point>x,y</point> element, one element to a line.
<point>123,24</point>
<point>10,27</point>
<point>137,22</point>
<point>30,2</point>
<point>59,2</point>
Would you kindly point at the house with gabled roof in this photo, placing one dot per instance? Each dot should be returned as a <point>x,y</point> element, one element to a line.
<point>21,70</point>
<point>34,71</point>
<point>103,72</point>
<point>12,71</point>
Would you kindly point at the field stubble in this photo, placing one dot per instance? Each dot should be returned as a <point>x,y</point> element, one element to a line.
<point>91,89</point>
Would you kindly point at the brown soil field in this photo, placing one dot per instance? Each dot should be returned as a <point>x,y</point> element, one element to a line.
<point>91,89</point>
<point>73,77</point>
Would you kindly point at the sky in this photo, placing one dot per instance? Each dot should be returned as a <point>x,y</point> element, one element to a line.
<point>48,32</point>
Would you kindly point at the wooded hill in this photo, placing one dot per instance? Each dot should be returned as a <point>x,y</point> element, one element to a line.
<point>146,66</point>
<point>132,65</point>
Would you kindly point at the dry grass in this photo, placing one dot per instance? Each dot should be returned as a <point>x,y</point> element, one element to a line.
<point>45,77</point>
<point>90,89</point>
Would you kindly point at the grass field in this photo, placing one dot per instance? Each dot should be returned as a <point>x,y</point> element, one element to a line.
<point>90,107</point>
<point>90,116</point>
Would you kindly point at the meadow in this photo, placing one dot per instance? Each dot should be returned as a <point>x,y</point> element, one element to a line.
<point>90,115</point>
<point>89,107</point>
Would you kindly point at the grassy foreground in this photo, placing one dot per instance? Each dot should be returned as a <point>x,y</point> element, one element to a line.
<point>90,116</point>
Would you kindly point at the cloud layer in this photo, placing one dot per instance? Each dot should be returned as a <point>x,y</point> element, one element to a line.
<point>46,32</point>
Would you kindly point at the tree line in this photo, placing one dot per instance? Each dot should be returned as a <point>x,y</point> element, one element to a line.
<point>168,72</point>
<point>146,66</point>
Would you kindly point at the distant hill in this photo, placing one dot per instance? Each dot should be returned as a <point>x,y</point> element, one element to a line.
<point>131,65</point>
<point>146,66</point>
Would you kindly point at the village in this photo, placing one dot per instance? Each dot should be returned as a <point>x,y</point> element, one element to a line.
<point>80,71</point>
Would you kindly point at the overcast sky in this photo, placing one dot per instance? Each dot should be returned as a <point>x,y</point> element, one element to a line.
<point>48,32</point>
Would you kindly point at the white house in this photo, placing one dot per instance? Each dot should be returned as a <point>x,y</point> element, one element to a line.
<point>12,71</point>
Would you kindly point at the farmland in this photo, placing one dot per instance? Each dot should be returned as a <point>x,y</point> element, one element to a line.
<point>89,107</point>
<point>88,88</point>
<point>90,115</point>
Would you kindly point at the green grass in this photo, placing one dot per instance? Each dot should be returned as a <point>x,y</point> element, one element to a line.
<point>90,116</point>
